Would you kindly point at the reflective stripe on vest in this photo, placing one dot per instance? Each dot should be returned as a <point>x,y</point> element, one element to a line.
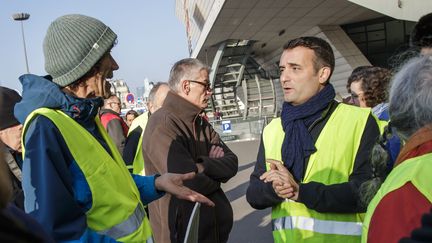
<point>333,162</point>
<point>316,225</point>
<point>128,226</point>
<point>416,170</point>
<point>116,209</point>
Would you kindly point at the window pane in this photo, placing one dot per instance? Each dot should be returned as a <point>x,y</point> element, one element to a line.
<point>408,27</point>
<point>395,34</point>
<point>372,27</point>
<point>376,35</point>
<point>355,29</point>
<point>376,47</point>
<point>360,37</point>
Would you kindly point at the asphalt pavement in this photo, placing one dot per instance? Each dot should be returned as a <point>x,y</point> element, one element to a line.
<point>250,225</point>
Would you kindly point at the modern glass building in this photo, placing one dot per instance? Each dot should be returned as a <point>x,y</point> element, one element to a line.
<point>382,41</point>
<point>242,41</point>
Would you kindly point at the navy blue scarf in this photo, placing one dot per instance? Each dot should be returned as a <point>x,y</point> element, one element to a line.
<point>298,143</point>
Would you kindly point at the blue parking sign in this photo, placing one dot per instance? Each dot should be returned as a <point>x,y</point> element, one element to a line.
<point>226,126</point>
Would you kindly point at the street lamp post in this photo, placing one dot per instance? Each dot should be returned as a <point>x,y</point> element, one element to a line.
<point>22,17</point>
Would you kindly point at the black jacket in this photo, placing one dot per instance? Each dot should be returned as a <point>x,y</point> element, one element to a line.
<point>336,198</point>
<point>13,160</point>
<point>131,145</point>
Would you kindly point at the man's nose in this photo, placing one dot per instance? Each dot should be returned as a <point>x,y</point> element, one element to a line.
<point>114,65</point>
<point>284,77</point>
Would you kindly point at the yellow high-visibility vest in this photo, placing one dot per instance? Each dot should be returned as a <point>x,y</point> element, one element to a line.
<point>332,163</point>
<point>117,210</point>
<point>415,170</point>
<point>138,162</point>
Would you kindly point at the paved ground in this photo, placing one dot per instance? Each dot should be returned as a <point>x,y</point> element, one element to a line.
<point>250,225</point>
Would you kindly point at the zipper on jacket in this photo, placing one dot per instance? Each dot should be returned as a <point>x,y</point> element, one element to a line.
<point>322,117</point>
<point>195,137</point>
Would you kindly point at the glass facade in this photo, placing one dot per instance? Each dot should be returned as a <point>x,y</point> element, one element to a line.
<point>380,40</point>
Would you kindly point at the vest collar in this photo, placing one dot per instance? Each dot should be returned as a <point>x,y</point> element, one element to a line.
<point>418,144</point>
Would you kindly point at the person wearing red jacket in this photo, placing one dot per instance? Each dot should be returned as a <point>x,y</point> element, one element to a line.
<point>113,123</point>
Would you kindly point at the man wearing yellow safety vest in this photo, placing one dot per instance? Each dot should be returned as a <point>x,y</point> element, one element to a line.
<point>132,153</point>
<point>317,153</point>
<point>74,179</point>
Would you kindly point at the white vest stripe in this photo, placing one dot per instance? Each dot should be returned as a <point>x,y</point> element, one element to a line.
<point>127,227</point>
<point>316,225</point>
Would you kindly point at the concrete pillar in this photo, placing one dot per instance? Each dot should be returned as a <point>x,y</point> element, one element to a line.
<point>347,54</point>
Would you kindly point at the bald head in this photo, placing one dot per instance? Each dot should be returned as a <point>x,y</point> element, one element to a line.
<point>157,96</point>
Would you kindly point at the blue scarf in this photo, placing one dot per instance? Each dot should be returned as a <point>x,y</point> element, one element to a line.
<point>298,144</point>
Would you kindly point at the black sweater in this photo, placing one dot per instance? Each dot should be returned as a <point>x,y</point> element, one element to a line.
<point>336,198</point>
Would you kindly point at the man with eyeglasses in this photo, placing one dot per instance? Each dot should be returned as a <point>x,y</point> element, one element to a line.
<point>113,123</point>
<point>179,140</point>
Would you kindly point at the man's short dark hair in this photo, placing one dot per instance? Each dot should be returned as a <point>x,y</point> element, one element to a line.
<point>132,112</point>
<point>322,49</point>
<point>421,35</point>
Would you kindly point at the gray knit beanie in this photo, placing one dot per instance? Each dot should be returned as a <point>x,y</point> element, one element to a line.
<point>73,45</point>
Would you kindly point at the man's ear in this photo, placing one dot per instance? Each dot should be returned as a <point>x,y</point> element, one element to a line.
<point>324,75</point>
<point>185,87</point>
<point>149,106</point>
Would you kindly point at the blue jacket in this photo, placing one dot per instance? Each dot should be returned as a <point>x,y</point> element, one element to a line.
<point>56,191</point>
<point>393,145</point>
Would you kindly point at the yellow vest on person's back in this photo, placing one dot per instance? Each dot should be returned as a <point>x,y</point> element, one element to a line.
<point>381,124</point>
<point>116,209</point>
<point>138,162</point>
<point>415,170</point>
<point>332,163</point>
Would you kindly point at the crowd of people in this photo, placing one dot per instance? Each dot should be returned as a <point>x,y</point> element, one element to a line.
<point>72,169</point>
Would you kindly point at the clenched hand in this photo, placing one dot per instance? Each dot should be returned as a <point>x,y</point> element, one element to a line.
<point>282,180</point>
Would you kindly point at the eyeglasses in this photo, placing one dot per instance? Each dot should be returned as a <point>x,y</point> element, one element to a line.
<point>355,96</point>
<point>206,85</point>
